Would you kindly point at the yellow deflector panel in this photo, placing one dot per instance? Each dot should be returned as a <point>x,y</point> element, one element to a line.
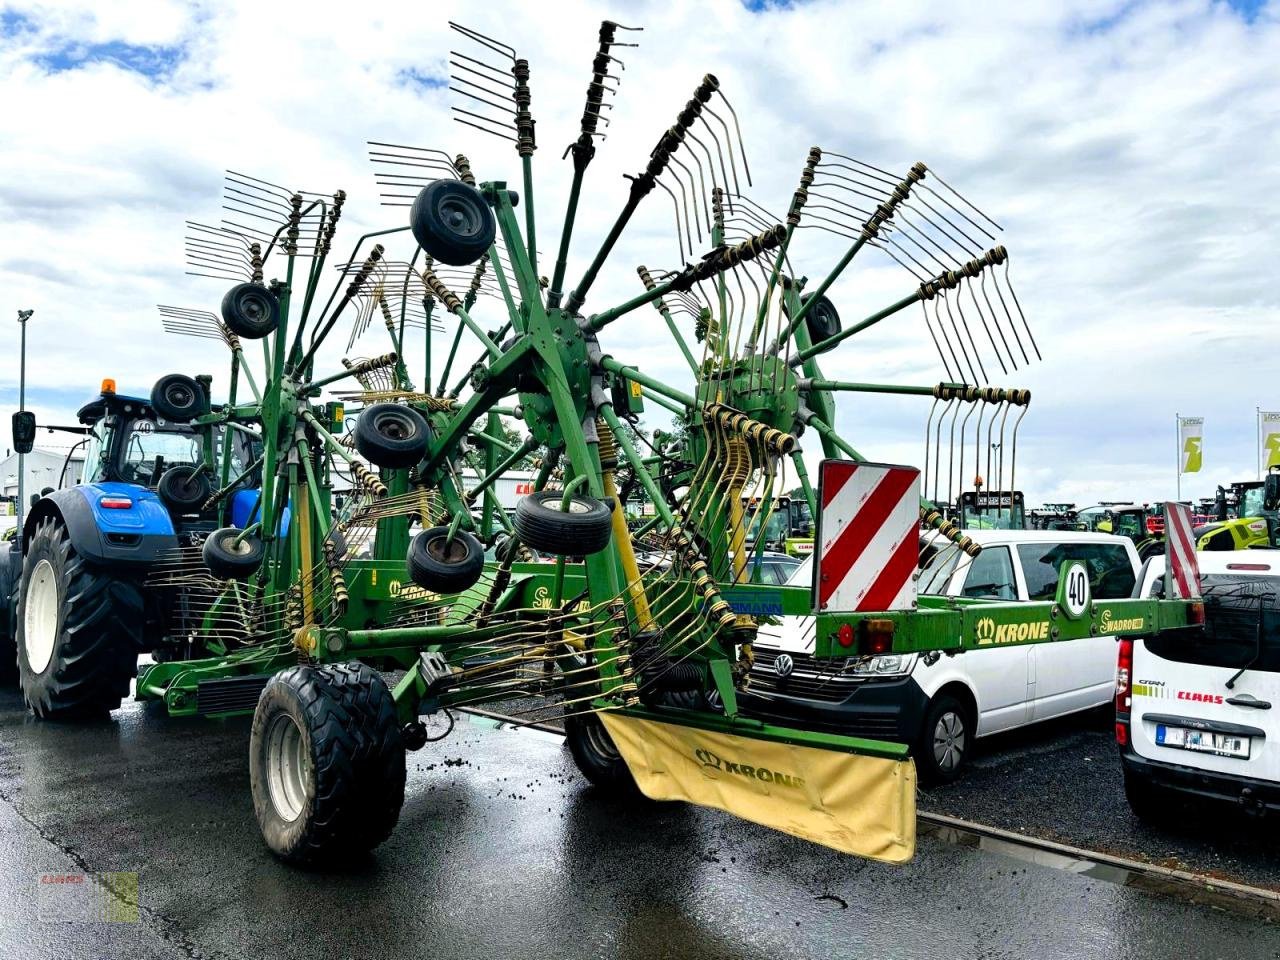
<point>856,804</point>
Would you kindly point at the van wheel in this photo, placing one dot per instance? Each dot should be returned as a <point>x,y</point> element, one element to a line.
<point>1148,802</point>
<point>945,741</point>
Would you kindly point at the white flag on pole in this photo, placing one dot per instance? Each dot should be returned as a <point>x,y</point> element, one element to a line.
<point>1269,438</point>
<point>1191,443</point>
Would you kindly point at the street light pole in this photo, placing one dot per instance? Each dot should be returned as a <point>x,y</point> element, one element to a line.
<point>23,317</point>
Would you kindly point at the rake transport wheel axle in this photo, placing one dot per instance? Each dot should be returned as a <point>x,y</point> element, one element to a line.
<point>326,762</point>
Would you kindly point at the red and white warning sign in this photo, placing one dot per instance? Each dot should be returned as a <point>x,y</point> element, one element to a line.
<point>1182,570</point>
<point>868,536</point>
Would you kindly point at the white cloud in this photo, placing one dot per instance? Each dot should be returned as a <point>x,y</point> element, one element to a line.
<point>1126,149</point>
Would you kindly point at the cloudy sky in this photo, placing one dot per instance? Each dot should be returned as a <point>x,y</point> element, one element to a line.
<point>1128,150</point>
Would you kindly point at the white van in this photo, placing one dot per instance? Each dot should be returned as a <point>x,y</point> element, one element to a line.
<point>1198,712</point>
<point>937,702</point>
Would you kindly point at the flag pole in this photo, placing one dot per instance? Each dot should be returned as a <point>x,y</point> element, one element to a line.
<point>1257,438</point>
<point>1177,445</point>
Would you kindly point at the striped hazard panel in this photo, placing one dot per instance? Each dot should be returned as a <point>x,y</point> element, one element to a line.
<point>868,536</point>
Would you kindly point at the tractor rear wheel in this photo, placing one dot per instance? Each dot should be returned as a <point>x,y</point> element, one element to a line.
<point>326,762</point>
<point>596,756</point>
<point>10,578</point>
<point>77,629</point>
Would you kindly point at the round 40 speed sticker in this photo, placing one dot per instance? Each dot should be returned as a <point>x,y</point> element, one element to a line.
<point>1076,592</point>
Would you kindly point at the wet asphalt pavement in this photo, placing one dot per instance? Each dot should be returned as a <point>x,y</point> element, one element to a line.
<point>502,851</point>
<point>1061,781</point>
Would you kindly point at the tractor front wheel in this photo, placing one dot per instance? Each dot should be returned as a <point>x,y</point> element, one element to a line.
<point>77,626</point>
<point>326,762</point>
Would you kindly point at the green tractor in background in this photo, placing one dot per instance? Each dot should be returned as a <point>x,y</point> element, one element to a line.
<point>788,524</point>
<point>991,510</point>
<point>1132,520</point>
<point>1247,515</point>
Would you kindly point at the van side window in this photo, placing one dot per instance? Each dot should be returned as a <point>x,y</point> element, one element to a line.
<point>991,575</point>
<point>1110,570</point>
<point>937,572</point>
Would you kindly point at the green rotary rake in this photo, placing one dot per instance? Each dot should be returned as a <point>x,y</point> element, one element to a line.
<point>363,577</point>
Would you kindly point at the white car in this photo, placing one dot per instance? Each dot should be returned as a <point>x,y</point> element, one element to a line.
<point>1198,712</point>
<point>939,703</point>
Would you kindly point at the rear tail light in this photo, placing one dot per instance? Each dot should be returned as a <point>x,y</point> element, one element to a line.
<point>845,635</point>
<point>877,636</point>
<point>115,503</point>
<point>1122,733</point>
<point>1124,677</point>
<point>1261,567</point>
<point>1195,614</point>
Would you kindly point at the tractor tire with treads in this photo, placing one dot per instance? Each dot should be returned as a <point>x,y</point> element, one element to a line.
<point>326,762</point>
<point>77,630</point>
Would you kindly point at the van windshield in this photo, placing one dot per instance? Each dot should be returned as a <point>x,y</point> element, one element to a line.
<point>1109,567</point>
<point>1236,609</point>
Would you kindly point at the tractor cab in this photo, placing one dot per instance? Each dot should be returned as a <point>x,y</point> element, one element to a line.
<point>1054,516</point>
<point>992,510</point>
<point>1247,515</point>
<point>788,526</point>
<point>128,442</point>
<point>1132,520</point>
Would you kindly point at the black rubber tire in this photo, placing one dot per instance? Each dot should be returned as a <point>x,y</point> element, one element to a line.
<point>354,768</point>
<point>228,562</point>
<point>542,525</point>
<point>1150,803</point>
<point>597,758</point>
<point>95,650</point>
<point>823,320</point>
<point>392,435</point>
<point>181,491</point>
<point>451,221</point>
<point>178,398</point>
<point>930,769</point>
<point>250,310</point>
<point>10,579</point>
<point>432,568</point>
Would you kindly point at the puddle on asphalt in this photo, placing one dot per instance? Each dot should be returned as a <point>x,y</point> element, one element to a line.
<point>538,732</point>
<point>1197,891</point>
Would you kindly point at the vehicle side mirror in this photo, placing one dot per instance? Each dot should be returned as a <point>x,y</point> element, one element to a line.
<point>1271,491</point>
<point>24,431</point>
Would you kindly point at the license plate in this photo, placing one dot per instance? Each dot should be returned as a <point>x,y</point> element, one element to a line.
<point>1202,741</point>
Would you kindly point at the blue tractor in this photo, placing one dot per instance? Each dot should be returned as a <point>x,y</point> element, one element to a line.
<point>82,607</point>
